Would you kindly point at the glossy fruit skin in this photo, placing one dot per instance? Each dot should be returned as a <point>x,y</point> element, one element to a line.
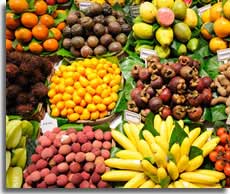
<point>220,131</point>
<point>51,2</point>
<point>224,138</point>
<point>213,156</point>
<point>219,165</point>
<point>227,169</point>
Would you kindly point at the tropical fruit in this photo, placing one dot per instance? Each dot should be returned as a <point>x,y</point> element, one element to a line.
<point>191,18</point>
<point>226,9</point>
<point>13,133</point>
<point>162,52</point>
<point>8,159</point>
<point>18,6</point>
<point>205,16</point>
<point>148,12</point>
<point>193,44</point>
<point>179,9</point>
<point>182,32</point>
<point>216,11</point>
<point>164,3</point>
<point>221,27</point>
<point>165,17</point>
<point>205,33</point>
<point>164,36</point>
<point>14,177</point>
<point>216,44</point>
<point>143,30</point>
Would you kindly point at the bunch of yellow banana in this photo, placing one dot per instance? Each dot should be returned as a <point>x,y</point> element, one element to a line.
<point>148,162</point>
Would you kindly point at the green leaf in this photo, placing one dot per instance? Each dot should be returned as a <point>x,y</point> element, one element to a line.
<point>51,9</point>
<point>17,16</point>
<point>155,26</point>
<point>60,18</point>
<point>51,34</point>
<point>30,148</point>
<point>207,115</point>
<point>61,121</point>
<point>36,129</point>
<point>78,127</point>
<point>64,53</point>
<point>31,4</point>
<point>207,164</point>
<point>121,103</point>
<point>194,151</point>
<point>15,43</point>
<point>165,182</point>
<point>171,157</point>
<point>177,136</point>
<point>209,27</point>
<point>113,152</point>
<point>14,117</point>
<point>129,85</point>
<point>211,67</point>
<point>154,178</point>
<point>103,127</point>
<point>218,113</point>
<point>149,124</point>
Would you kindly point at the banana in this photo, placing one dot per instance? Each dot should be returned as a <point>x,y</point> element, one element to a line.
<point>194,163</point>
<point>135,132</point>
<point>175,151</point>
<point>140,126</point>
<point>148,184</point>
<point>161,142</point>
<point>171,186</point>
<point>181,123</point>
<point>208,186</point>
<point>172,170</point>
<point>210,145</point>
<point>185,146</point>
<point>194,134</point>
<point>187,184</point>
<point>164,131</point>
<point>149,138</point>
<point>198,178</point>
<point>202,139</point>
<point>157,186</point>
<point>182,163</point>
<point>157,122</point>
<point>148,167</point>
<point>119,175</point>
<point>124,164</point>
<point>123,140</point>
<point>218,175</point>
<point>127,130</point>
<point>160,156</point>
<point>136,181</point>
<point>186,129</point>
<point>178,184</point>
<point>161,173</point>
<point>128,154</point>
<point>169,123</point>
<point>144,149</point>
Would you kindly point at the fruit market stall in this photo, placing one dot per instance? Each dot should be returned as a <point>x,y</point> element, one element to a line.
<point>117,94</point>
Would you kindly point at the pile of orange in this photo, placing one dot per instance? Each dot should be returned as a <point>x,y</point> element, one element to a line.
<point>85,90</point>
<point>34,30</point>
<point>217,19</point>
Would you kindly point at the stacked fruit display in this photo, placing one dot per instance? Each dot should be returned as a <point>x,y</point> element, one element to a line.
<point>54,2</point>
<point>69,159</point>
<point>221,155</point>
<point>25,77</point>
<point>17,132</point>
<point>175,22</point>
<point>171,89</point>
<point>34,31</point>
<point>85,90</point>
<point>161,159</point>
<point>216,27</point>
<point>98,30</point>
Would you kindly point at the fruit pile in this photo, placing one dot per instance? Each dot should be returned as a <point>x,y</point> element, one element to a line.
<point>216,27</point>
<point>111,2</point>
<point>98,30</point>
<point>16,154</point>
<point>176,22</point>
<point>25,77</point>
<point>54,2</point>
<point>170,163</point>
<point>221,155</point>
<point>69,159</point>
<point>34,31</point>
<point>172,89</point>
<point>85,90</point>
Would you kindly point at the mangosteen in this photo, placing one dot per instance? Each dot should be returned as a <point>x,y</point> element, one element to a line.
<point>186,72</point>
<point>167,72</point>
<point>165,111</point>
<point>67,43</point>
<point>86,51</point>
<point>185,60</point>
<point>99,29</point>
<point>200,85</point>
<point>207,96</point>
<point>126,28</point>
<point>99,19</point>
<point>134,92</point>
<point>140,84</point>
<point>109,19</point>
<point>106,9</point>
<point>178,99</point>
<point>194,98</point>
<point>143,74</point>
<point>165,95</point>
<point>77,42</point>
<point>99,50</point>
<point>77,30</point>
<point>176,67</point>
<point>144,113</point>
<point>132,106</point>
<point>115,47</point>
<point>155,104</point>
<point>179,112</point>
<point>92,41</point>
<point>156,81</point>
<point>122,38</point>
<point>139,102</point>
<point>177,85</point>
<point>149,90</point>
<point>153,63</point>
<point>106,39</point>
<point>67,32</point>
<point>195,113</point>
<point>145,96</point>
<point>207,81</point>
<point>135,71</point>
<point>114,28</point>
<point>87,23</point>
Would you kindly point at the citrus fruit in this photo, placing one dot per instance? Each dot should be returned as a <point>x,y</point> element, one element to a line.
<point>221,27</point>
<point>40,32</point>
<point>29,20</point>
<point>40,7</point>
<point>11,22</point>
<point>226,9</point>
<point>35,47</point>
<point>216,44</point>
<point>47,20</point>
<point>18,6</point>
<point>215,11</point>
<point>23,35</point>
<point>9,45</point>
<point>205,16</point>
<point>50,45</point>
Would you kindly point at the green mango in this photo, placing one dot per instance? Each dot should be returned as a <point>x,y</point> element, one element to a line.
<point>162,52</point>
<point>193,44</point>
<point>14,177</point>
<point>182,50</point>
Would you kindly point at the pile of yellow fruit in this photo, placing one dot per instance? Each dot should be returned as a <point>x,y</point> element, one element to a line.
<point>217,19</point>
<point>85,90</point>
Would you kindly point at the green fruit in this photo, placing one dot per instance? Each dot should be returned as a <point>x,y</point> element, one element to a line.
<point>22,142</point>
<point>193,44</point>
<point>164,36</point>
<point>11,126</point>
<point>182,50</point>
<point>191,18</point>
<point>14,177</point>
<point>148,12</point>
<point>182,32</point>
<point>179,9</point>
<point>143,30</point>
<point>27,128</point>
<point>8,159</point>
<point>162,52</point>
<point>13,133</point>
<point>164,3</point>
<point>139,47</point>
<point>19,157</point>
